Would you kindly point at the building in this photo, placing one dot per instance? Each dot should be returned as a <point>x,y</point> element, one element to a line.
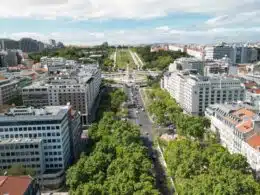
<point>8,89</point>
<point>238,129</point>
<point>9,44</point>
<point>29,45</point>
<point>173,47</point>
<point>195,92</point>
<point>18,185</point>
<point>79,87</point>
<point>196,52</point>
<point>52,42</point>
<point>161,47</point>
<point>187,64</point>
<point>238,54</point>
<point>218,67</point>
<point>47,131</point>
<point>253,97</point>
<point>11,58</point>
<point>26,151</point>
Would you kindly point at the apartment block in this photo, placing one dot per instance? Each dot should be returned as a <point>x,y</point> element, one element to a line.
<point>50,131</point>
<point>79,88</point>
<point>195,92</point>
<point>8,89</point>
<point>238,128</point>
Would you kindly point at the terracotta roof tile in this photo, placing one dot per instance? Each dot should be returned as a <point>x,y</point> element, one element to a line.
<point>245,126</point>
<point>254,141</point>
<point>14,185</point>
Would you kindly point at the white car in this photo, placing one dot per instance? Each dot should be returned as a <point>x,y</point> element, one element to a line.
<point>137,112</point>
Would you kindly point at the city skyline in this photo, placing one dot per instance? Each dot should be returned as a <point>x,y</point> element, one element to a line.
<point>130,22</point>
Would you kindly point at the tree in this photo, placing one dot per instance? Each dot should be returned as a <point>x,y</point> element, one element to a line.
<point>18,169</point>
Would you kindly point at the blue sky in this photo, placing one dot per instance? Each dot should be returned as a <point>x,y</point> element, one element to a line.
<point>88,22</point>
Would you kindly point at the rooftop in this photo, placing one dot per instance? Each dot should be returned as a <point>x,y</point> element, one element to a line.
<point>14,185</point>
<point>254,141</point>
<point>47,113</point>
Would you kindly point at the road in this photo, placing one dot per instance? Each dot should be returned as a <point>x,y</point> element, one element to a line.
<point>147,135</point>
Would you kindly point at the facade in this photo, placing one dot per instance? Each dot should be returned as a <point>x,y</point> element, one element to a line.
<point>29,45</point>
<point>80,88</point>
<point>253,97</point>
<point>218,67</point>
<point>238,54</point>
<point>176,48</point>
<point>187,64</point>
<point>51,128</point>
<point>195,93</point>
<point>237,127</point>
<point>26,151</point>
<point>8,90</point>
<point>11,58</point>
<point>196,52</point>
<point>19,185</point>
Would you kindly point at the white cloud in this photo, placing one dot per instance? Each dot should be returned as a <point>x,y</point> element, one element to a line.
<point>146,36</point>
<point>87,9</point>
<point>243,18</point>
<point>163,28</point>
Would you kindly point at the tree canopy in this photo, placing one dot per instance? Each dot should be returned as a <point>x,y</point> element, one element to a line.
<point>158,60</point>
<point>208,169</point>
<point>118,163</point>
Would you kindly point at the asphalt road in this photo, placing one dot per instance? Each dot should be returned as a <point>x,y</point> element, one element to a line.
<point>146,127</point>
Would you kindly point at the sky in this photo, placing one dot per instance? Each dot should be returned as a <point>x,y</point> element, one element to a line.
<point>90,22</point>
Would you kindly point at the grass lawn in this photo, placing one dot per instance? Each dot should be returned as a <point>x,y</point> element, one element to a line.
<point>123,58</point>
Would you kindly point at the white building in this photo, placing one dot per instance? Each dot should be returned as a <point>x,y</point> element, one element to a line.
<point>196,52</point>
<point>238,128</point>
<point>187,63</point>
<point>176,48</point>
<point>195,93</point>
<point>218,67</point>
<point>253,97</point>
<point>51,129</point>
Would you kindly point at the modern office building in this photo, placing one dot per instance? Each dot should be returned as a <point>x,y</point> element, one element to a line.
<point>25,151</point>
<point>238,54</point>
<point>187,64</point>
<point>29,45</point>
<point>8,89</point>
<point>19,185</point>
<point>237,127</point>
<point>47,131</point>
<point>79,88</point>
<point>195,92</point>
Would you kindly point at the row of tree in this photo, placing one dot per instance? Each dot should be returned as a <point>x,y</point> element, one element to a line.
<point>200,165</point>
<point>158,60</point>
<point>166,111</point>
<point>118,162</point>
<point>200,168</point>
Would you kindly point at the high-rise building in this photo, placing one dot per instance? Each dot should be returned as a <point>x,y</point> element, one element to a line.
<point>29,45</point>
<point>195,93</point>
<point>44,139</point>
<point>52,42</point>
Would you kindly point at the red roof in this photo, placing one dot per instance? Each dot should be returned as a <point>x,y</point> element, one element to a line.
<point>256,91</point>
<point>14,185</point>
<point>254,141</point>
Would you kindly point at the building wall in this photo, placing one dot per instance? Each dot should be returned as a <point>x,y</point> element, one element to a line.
<point>29,153</point>
<point>195,96</point>
<point>55,136</point>
<point>8,90</point>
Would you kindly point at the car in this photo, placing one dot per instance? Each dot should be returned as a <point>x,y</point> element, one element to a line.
<point>137,111</point>
<point>140,124</point>
<point>142,109</point>
<point>146,133</point>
